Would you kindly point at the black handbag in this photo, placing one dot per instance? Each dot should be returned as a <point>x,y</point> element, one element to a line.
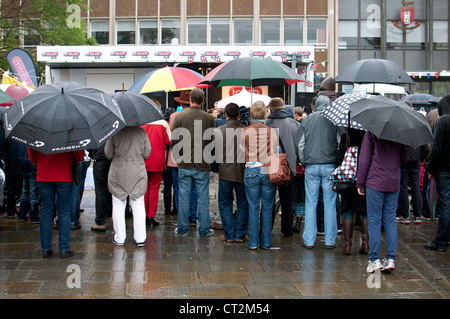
<point>343,187</point>
<point>76,172</point>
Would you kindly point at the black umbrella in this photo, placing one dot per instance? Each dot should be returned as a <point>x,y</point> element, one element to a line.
<point>391,120</point>
<point>374,71</point>
<point>137,109</point>
<point>63,117</point>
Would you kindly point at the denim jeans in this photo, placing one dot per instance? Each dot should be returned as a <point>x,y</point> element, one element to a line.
<point>318,176</point>
<point>260,193</point>
<point>29,199</point>
<point>443,210</point>
<point>192,199</point>
<point>187,178</point>
<point>381,208</point>
<point>49,191</point>
<point>410,176</point>
<point>234,226</point>
<point>75,205</point>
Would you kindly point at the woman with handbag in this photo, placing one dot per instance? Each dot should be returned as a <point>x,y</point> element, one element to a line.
<point>351,202</point>
<point>258,142</point>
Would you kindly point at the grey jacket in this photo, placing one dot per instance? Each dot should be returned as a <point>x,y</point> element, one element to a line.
<point>127,151</point>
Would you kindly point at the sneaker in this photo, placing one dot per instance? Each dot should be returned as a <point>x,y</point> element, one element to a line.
<point>388,265</point>
<point>210,233</point>
<point>223,238</point>
<point>177,233</point>
<point>417,220</point>
<point>141,244</point>
<point>99,228</point>
<point>116,243</point>
<point>406,221</point>
<point>374,266</point>
<point>399,219</point>
<point>320,233</point>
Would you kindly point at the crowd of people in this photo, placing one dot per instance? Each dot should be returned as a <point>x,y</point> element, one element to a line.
<point>182,150</point>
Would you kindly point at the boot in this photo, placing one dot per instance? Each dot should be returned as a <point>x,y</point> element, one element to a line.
<point>364,237</point>
<point>348,234</point>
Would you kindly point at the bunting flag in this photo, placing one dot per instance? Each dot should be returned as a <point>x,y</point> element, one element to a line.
<point>203,59</point>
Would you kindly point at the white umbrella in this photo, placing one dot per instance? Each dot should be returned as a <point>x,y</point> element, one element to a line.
<point>244,98</point>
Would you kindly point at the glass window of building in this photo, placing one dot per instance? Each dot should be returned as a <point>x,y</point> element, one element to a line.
<point>293,31</point>
<point>317,32</point>
<point>370,34</point>
<point>348,34</point>
<point>440,35</point>
<point>220,31</point>
<point>170,32</point>
<point>126,32</point>
<point>196,31</point>
<point>30,36</point>
<point>243,31</point>
<point>148,32</point>
<point>270,31</point>
<point>100,31</point>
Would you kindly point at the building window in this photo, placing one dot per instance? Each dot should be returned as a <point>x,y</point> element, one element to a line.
<point>270,31</point>
<point>220,31</point>
<point>196,30</point>
<point>31,36</point>
<point>293,31</point>
<point>148,32</point>
<point>170,32</point>
<point>243,31</point>
<point>440,35</point>
<point>100,31</point>
<point>348,34</point>
<point>370,35</point>
<point>317,32</point>
<point>126,32</point>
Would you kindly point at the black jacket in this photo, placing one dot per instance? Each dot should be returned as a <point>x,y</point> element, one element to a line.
<point>439,160</point>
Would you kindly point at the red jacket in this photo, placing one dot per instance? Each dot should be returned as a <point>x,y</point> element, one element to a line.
<point>54,167</point>
<point>158,135</point>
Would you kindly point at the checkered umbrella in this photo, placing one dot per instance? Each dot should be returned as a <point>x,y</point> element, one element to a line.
<point>337,111</point>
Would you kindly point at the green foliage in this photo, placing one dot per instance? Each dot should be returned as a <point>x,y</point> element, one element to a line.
<point>43,22</point>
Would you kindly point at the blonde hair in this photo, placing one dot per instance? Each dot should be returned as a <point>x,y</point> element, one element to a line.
<point>258,110</point>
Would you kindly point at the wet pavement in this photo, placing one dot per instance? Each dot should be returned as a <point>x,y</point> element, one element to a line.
<point>189,267</point>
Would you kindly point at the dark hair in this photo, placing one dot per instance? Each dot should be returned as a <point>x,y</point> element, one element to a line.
<point>232,110</point>
<point>244,113</point>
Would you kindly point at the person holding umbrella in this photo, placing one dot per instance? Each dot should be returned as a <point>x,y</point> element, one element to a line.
<point>54,178</point>
<point>127,177</point>
<point>379,179</point>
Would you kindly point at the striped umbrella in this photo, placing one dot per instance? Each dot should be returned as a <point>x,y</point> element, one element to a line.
<point>166,79</point>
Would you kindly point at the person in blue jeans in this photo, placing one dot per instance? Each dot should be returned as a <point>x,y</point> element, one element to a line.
<point>188,144</point>
<point>258,141</point>
<point>29,198</point>
<point>317,148</point>
<point>379,175</point>
<point>231,178</point>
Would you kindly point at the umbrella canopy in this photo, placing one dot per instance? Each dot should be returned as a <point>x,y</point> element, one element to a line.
<point>244,98</point>
<point>374,71</point>
<point>391,120</point>
<point>137,109</point>
<point>419,99</point>
<point>63,117</point>
<point>167,79</point>
<point>205,81</point>
<point>5,98</point>
<point>16,92</point>
<point>252,71</point>
<point>338,111</point>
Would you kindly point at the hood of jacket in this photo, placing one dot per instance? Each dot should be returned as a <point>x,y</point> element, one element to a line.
<point>329,84</point>
<point>444,105</point>
<point>321,103</point>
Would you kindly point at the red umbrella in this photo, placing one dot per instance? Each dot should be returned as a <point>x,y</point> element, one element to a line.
<point>204,83</point>
<point>16,92</point>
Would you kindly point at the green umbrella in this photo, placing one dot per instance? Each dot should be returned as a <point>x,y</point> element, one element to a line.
<point>4,97</point>
<point>251,72</point>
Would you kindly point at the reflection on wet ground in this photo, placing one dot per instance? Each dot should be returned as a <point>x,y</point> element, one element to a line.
<point>178,267</point>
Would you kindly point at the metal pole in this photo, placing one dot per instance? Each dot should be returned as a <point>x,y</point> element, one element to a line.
<point>294,65</point>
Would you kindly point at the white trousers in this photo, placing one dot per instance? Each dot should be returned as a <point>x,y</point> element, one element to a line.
<point>118,217</point>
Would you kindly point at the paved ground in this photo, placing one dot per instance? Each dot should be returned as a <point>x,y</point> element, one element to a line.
<point>174,267</point>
